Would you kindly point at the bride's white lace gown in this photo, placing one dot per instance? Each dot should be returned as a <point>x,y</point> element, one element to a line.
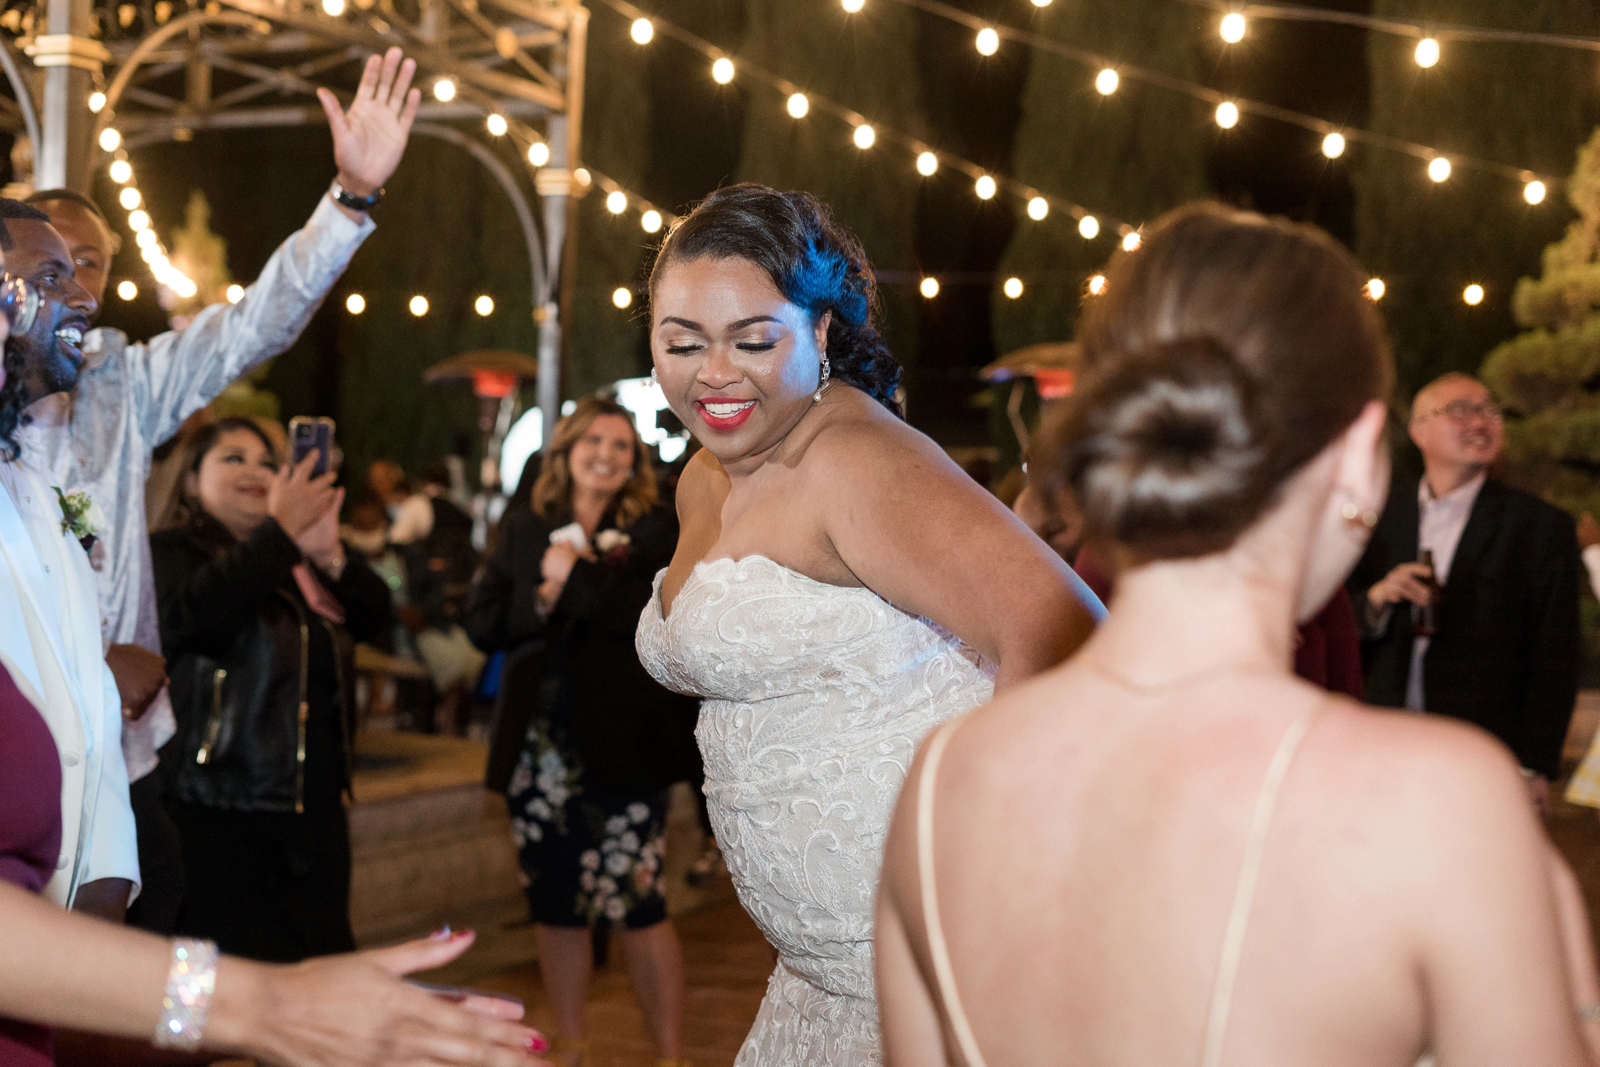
<point>816,697</point>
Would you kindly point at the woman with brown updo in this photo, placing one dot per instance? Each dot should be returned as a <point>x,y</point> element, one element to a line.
<point>1169,850</point>
<point>588,797</point>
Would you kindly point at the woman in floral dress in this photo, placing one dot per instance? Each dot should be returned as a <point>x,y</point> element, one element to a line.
<point>588,796</point>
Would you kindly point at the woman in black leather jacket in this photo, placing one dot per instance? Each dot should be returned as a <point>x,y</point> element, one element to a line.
<point>259,607</point>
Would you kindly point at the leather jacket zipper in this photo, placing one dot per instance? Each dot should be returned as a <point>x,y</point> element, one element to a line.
<point>345,713</point>
<point>304,715</point>
<point>214,726</point>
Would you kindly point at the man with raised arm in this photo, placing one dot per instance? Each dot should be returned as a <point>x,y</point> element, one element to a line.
<point>98,436</point>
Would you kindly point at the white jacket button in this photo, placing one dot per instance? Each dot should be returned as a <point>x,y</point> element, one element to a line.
<point>70,759</point>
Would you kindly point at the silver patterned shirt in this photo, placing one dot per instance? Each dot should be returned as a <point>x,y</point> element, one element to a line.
<point>133,396</point>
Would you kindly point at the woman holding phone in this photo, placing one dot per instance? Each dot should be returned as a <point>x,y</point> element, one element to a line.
<point>260,607</point>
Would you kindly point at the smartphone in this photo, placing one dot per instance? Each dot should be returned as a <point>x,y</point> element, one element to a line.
<point>308,435</point>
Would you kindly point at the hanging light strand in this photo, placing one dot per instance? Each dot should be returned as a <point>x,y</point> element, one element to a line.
<point>151,248</point>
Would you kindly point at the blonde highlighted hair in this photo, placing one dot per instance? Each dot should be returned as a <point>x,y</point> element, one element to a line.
<point>552,493</point>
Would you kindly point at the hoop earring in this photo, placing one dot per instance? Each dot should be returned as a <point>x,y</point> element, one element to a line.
<point>654,380</point>
<point>822,385</point>
<point>1351,512</point>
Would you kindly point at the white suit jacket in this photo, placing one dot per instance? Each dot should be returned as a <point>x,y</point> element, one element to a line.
<point>98,839</point>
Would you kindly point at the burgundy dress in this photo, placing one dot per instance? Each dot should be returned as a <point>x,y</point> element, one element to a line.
<point>30,835</point>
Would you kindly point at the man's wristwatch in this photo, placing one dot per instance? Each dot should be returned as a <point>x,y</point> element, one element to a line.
<point>345,198</point>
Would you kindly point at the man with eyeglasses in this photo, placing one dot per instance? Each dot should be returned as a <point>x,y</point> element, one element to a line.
<point>1504,651</point>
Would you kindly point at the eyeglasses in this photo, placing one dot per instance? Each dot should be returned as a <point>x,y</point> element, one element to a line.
<point>19,303</point>
<point>1463,410</point>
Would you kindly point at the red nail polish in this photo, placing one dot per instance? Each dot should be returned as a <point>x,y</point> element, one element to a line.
<point>537,1043</point>
<point>459,934</point>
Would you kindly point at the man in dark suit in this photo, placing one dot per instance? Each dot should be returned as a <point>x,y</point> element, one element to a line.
<point>1505,651</point>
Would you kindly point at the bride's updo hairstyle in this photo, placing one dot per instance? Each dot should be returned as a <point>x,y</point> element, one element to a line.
<point>1224,354</point>
<point>813,261</point>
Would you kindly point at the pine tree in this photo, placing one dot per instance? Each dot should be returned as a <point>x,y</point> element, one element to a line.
<point>1132,155</point>
<point>1550,375</point>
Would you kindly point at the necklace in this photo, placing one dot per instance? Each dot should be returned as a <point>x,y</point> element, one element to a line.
<point>1189,678</point>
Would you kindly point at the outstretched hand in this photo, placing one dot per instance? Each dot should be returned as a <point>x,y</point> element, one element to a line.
<point>369,139</point>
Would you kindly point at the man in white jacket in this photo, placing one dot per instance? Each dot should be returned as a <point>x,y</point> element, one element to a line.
<point>98,438</point>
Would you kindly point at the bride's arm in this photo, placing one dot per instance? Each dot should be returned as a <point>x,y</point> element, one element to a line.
<point>916,530</point>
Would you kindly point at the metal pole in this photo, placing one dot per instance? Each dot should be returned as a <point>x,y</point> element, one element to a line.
<point>71,60</point>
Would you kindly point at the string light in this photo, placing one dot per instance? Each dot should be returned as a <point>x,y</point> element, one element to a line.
<point>643,31</point>
<point>1375,289</point>
<point>1089,227</point>
<point>110,139</point>
<point>1534,192</point>
<point>865,136</point>
<point>798,105</point>
<point>538,153</point>
<point>986,187</point>
<point>121,171</point>
<point>1106,81</point>
<point>988,41</point>
<point>651,221</point>
<point>419,305</point>
<point>129,198</point>
<point>355,303</point>
<point>1427,53</point>
<point>722,71</point>
<point>853,7</point>
<point>927,164</point>
<point>1038,209</point>
<point>444,90</point>
<point>146,238</point>
<point>138,220</point>
<point>333,8</point>
<point>1333,145</point>
<point>1041,3</point>
<point>234,293</point>
<point>1227,114</point>
<point>1439,169</point>
<point>617,202</point>
<point>1131,241</point>
<point>497,125</point>
<point>1473,294</point>
<point>484,305</point>
<point>1012,288</point>
<point>127,290</point>
<point>621,297</point>
<point>929,288</point>
<point>1097,285</point>
<point>97,102</point>
<point>1233,27</point>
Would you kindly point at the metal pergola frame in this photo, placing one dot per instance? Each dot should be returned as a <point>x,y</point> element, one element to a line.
<point>169,70</point>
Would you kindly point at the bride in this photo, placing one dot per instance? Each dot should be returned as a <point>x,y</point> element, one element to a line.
<point>840,588</point>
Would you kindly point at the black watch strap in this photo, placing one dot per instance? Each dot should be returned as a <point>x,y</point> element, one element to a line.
<point>354,202</point>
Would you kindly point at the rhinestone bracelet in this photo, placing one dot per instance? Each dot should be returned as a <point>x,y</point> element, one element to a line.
<point>190,983</point>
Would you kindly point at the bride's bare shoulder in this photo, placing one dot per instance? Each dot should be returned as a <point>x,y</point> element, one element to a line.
<point>862,438</point>
<point>702,487</point>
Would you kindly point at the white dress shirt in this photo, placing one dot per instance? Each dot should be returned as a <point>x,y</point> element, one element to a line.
<point>1443,520</point>
<point>133,396</point>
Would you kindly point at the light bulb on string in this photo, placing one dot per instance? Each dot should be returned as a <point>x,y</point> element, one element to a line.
<point>1233,27</point>
<point>651,221</point>
<point>484,305</point>
<point>722,71</point>
<point>538,153</point>
<point>1227,114</point>
<point>418,306</point>
<point>1041,3</point>
<point>1097,285</point>
<point>497,125</point>
<point>234,293</point>
<point>853,7</point>
<point>1038,209</point>
<point>1333,145</point>
<point>1427,53</point>
<point>929,288</point>
<point>97,102</point>
<point>865,136</point>
<point>1375,289</point>
<point>1106,82</point>
<point>1131,241</point>
<point>1012,288</point>
<point>1473,294</point>
<point>127,290</point>
<point>988,41</point>
<point>643,31</point>
<point>1534,192</point>
<point>149,253</point>
<point>129,198</point>
<point>138,220</point>
<point>333,8</point>
<point>355,303</point>
<point>1439,169</point>
<point>798,105</point>
<point>1089,227</point>
<point>121,171</point>
<point>617,202</point>
<point>146,239</point>
<point>621,297</point>
<point>110,139</point>
<point>986,187</point>
<point>927,164</point>
<point>444,90</point>
<point>582,176</point>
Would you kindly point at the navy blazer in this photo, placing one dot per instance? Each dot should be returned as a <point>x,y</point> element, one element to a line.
<point>1506,653</point>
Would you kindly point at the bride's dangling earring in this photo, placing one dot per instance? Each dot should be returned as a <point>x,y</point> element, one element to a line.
<point>822,386</point>
<point>653,379</point>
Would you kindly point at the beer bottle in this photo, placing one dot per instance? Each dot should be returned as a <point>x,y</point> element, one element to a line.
<point>1425,617</point>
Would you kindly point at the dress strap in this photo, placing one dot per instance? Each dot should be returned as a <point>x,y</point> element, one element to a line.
<point>949,996</point>
<point>1244,893</point>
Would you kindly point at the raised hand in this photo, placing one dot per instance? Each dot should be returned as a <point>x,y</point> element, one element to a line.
<point>369,139</point>
<point>297,500</point>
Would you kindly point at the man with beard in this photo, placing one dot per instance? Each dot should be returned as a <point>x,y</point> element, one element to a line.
<point>1503,647</point>
<point>98,438</point>
<point>49,619</point>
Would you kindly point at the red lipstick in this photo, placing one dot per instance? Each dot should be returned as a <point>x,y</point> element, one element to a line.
<point>725,424</point>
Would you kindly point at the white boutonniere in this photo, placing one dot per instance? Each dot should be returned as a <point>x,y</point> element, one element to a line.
<point>81,517</point>
<point>606,540</point>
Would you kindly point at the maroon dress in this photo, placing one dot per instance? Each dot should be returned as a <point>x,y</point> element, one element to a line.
<point>30,835</point>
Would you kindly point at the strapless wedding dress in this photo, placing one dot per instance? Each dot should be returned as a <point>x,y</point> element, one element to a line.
<point>815,699</point>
